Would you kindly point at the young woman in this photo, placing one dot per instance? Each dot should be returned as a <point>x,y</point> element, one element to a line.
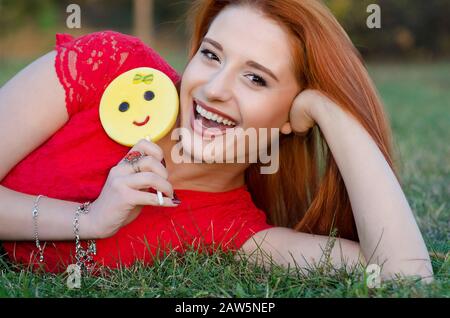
<point>283,64</point>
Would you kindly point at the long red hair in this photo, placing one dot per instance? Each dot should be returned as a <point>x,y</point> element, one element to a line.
<point>308,192</point>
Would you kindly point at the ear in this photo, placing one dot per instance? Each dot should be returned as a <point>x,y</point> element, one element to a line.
<point>286,129</point>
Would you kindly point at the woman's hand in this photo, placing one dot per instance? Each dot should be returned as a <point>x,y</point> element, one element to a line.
<point>125,191</point>
<point>305,109</point>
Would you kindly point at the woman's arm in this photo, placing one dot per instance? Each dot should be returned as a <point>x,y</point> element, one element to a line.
<point>286,247</point>
<point>388,233</point>
<point>32,108</point>
<point>387,230</point>
<point>55,219</point>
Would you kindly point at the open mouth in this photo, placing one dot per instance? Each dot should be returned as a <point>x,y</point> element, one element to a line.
<point>204,119</point>
<point>143,122</point>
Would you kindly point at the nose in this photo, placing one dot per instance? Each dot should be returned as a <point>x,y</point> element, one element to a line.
<point>219,86</point>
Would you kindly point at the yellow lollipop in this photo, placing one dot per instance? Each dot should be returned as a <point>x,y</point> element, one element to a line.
<point>139,103</point>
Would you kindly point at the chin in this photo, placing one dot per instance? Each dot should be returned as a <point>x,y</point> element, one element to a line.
<point>199,150</point>
<point>199,143</point>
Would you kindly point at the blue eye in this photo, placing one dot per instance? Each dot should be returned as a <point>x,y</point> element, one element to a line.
<point>123,107</point>
<point>149,95</point>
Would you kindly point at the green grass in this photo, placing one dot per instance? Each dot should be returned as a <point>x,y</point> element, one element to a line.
<point>417,99</point>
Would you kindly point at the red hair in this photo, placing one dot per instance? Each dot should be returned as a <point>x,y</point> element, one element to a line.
<point>308,192</point>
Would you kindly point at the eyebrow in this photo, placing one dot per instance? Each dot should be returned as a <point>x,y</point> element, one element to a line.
<point>249,63</point>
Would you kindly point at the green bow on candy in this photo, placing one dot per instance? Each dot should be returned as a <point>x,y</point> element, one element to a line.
<point>139,78</point>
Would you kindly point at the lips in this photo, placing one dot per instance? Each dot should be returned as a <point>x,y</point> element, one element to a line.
<point>143,122</point>
<point>212,110</point>
<point>197,125</point>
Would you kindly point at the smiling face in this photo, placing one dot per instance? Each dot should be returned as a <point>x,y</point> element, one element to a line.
<point>242,75</point>
<point>138,103</point>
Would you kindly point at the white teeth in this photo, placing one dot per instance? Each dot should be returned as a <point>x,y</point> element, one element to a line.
<point>215,117</point>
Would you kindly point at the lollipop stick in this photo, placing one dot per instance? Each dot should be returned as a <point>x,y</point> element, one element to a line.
<point>158,193</point>
<point>160,197</point>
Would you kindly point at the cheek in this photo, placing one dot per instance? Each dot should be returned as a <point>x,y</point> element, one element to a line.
<point>188,81</point>
<point>266,112</point>
<point>194,73</point>
<point>193,76</point>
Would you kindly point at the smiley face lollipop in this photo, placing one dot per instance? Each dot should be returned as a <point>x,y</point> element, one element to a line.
<point>139,103</point>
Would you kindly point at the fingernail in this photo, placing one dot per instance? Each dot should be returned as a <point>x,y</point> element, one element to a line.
<point>163,163</point>
<point>175,199</point>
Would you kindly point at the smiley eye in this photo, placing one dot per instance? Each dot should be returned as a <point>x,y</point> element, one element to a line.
<point>149,95</point>
<point>123,107</point>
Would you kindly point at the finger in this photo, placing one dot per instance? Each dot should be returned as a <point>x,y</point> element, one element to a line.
<point>304,134</point>
<point>145,180</point>
<point>149,148</point>
<point>146,198</point>
<point>145,164</point>
<point>150,164</point>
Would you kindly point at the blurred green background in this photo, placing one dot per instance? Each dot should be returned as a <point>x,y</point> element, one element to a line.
<point>408,58</point>
<point>411,29</point>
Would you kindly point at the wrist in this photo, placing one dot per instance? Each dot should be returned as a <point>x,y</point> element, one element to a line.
<point>325,112</point>
<point>88,230</point>
<point>95,224</point>
<point>319,110</point>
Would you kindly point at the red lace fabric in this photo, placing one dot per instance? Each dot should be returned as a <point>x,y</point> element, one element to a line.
<point>74,163</point>
<point>87,65</point>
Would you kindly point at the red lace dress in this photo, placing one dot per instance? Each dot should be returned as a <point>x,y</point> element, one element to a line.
<point>74,163</point>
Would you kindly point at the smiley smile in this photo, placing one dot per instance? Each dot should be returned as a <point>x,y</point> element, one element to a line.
<point>143,122</point>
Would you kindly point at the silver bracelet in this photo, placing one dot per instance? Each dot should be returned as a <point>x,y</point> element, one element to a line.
<point>35,214</point>
<point>83,257</point>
